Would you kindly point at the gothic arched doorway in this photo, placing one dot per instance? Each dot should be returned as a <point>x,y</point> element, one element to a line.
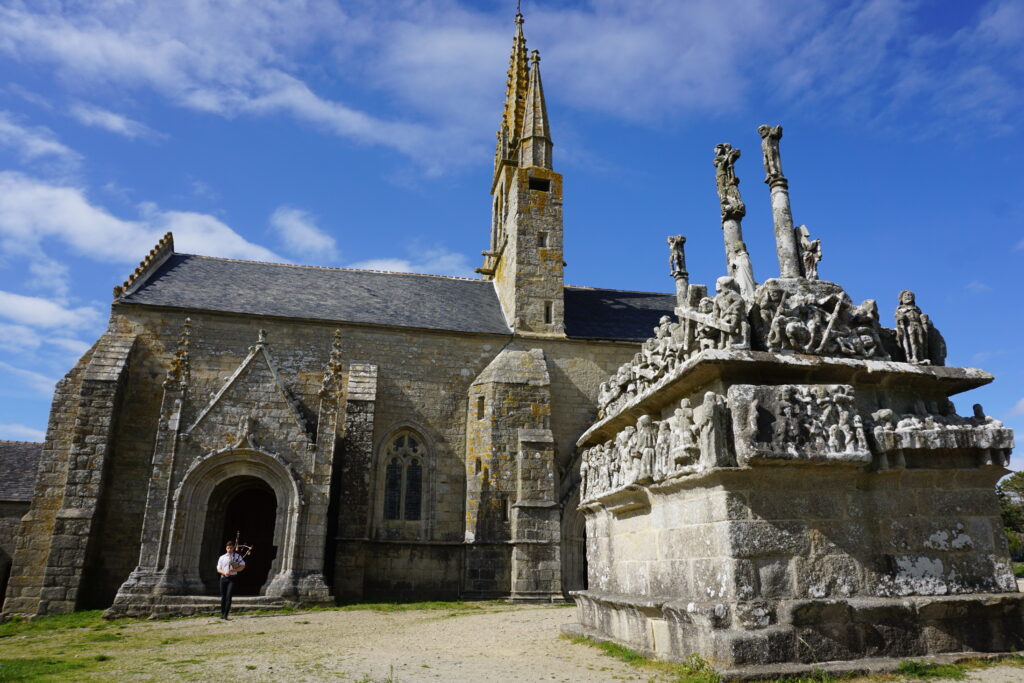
<point>245,506</point>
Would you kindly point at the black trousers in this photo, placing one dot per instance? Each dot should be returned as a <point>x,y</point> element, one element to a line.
<point>227,587</point>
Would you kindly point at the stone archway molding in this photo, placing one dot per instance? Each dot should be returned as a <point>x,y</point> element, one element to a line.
<point>190,507</point>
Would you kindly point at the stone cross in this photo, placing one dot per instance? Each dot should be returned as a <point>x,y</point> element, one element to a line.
<point>736,257</point>
<point>782,214</point>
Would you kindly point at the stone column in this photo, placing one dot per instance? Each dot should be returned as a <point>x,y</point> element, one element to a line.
<point>782,216</point>
<point>733,211</point>
<point>677,267</point>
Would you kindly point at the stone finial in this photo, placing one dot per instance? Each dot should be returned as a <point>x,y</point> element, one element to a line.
<point>535,136</point>
<point>334,369</point>
<point>727,183</point>
<point>515,92</point>
<point>180,371</point>
<point>770,136</point>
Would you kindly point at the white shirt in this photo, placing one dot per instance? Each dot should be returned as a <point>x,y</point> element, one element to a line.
<point>224,563</point>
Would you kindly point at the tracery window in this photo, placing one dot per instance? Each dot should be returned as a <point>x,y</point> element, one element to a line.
<point>403,477</point>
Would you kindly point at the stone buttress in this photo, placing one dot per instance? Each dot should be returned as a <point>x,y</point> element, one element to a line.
<point>512,518</point>
<point>57,536</point>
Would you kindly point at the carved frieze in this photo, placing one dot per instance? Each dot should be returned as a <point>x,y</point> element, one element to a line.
<point>817,318</point>
<point>797,423</point>
<point>692,439</point>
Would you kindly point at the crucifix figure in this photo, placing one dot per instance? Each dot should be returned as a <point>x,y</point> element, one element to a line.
<point>726,181</point>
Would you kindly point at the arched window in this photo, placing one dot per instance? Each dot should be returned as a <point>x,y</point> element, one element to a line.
<point>403,477</point>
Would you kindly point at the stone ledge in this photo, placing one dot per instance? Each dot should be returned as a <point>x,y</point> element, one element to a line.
<point>779,368</point>
<point>858,667</point>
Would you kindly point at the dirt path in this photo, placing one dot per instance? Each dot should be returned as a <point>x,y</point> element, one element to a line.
<point>490,643</point>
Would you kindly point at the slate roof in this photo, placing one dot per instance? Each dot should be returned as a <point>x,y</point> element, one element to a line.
<point>18,463</point>
<point>614,314</point>
<point>365,296</point>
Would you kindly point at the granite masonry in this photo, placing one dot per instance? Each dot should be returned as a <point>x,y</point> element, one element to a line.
<point>373,435</point>
<point>772,477</point>
<point>776,478</point>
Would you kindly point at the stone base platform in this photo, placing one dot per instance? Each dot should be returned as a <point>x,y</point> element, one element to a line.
<point>806,633</point>
<point>869,666</point>
<point>160,607</point>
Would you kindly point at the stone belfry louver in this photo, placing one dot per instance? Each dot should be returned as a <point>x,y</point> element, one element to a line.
<point>524,259</point>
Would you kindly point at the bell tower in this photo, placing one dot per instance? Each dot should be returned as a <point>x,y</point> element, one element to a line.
<point>524,259</point>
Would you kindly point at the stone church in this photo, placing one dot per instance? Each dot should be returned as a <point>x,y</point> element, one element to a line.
<point>372,435</point>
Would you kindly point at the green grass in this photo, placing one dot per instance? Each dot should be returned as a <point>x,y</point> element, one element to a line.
<point>694,670</point>
<point>1018,569</point>
<point>38,669</point>
<point>925,670</point>
<point>56,622</point>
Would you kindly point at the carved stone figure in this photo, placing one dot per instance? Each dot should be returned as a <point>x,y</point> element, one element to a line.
<point>662,450</point>
<point>770,136</point>
<point>684,445</point>
<point>817,318</point>
<point>646,438</point>
<point>810,253</point>
<point>727,182</point>
<point>676,257</point>
<point>912,330</point>
<point>711,421</point>
<point>797,422</point>
<point>731,312</point>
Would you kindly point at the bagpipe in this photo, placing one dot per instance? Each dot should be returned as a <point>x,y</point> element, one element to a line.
<point>243,550</point>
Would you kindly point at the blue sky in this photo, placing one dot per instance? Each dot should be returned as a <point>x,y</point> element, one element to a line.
<point>361,134</point>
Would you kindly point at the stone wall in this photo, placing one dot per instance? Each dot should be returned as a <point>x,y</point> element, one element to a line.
<point>11,513</point>
<point>423,382</point>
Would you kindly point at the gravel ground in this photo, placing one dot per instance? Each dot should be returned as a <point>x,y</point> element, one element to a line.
<point>490,643</point>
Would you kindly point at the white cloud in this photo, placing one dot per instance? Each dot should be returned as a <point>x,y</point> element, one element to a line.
<point>433,68</point>
<point>298,232</point>
<point>977,287</point>
<point>19,338</point>
<point>222,57</point>
<point>36,382</point>
<point>17,432</point>
<point>76,347</point>
<point>35,143</point>
<point>1018,408</point>
<point>38,312</point>
<point>434,261</point>
<point>113,122</point>
<point>33,210</point>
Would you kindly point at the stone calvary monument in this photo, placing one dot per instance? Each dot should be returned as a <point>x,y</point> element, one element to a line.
<point>775,477</point>
<point>772,477</point>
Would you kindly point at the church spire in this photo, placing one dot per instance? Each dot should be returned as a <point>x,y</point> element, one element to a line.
<point>535,138</point>
<point>515,96</point>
